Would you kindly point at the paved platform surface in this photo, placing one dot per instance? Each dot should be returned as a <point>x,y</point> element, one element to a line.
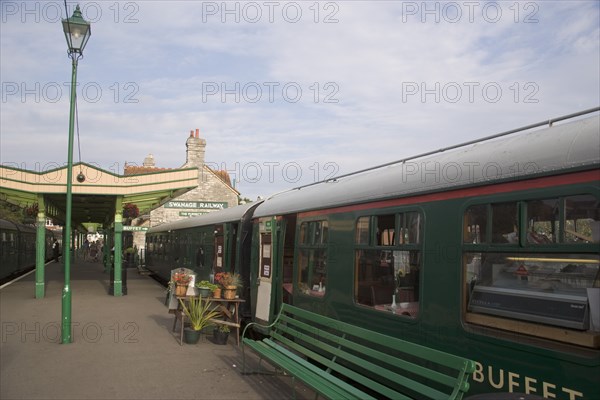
<point>123,347</point>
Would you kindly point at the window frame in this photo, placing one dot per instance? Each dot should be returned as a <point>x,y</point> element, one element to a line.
<point>507,325</point>
<point>307,242</point>
<point>400,223</point>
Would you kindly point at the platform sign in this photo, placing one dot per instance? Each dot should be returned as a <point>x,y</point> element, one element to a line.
<point>191,213</point>
<point>201,205</point>
<point>128,228</point>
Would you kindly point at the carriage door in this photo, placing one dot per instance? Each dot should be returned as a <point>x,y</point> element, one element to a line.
<point>265,270</point>
<point>219,244</point>
<point>286,242</point>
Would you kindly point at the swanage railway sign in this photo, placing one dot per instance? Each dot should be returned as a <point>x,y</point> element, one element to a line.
<point>201,205</point>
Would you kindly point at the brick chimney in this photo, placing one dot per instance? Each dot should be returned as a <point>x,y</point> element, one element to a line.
<point>196,148</point>
<point>149,161</point>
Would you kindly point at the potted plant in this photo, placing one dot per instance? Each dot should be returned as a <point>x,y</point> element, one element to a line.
<point>230,282</point>
<point>181,281</point>
<point>130,211</point>
<point>200,314</point>
<point>221,334</point>
<point>129,256</point>
<point>206,288</point>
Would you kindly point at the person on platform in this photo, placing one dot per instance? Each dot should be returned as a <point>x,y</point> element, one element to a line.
<point>94,251</point>
<point>100,248</point>
<point>86,249</point>
<point>55,250</point>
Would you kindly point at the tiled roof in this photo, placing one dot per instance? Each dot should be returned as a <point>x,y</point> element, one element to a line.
<point>223,175</point>
<point>135,169</point>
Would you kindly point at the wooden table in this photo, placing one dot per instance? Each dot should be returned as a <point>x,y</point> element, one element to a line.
<point>229,309</point>
<point>412,309</point>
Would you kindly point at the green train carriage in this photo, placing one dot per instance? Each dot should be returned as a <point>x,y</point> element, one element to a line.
<point>207,244</point>
<point>488,251</point>
<point>17,248</point>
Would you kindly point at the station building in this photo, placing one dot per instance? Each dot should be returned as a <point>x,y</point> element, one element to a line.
<point>214,191</point>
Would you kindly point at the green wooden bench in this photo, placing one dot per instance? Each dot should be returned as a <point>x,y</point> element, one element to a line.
<point>343,361</point>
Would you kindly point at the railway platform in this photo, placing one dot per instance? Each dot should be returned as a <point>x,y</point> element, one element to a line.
<point>123,347</point>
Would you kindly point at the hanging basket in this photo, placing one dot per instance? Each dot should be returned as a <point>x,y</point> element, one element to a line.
<point>229,292</point>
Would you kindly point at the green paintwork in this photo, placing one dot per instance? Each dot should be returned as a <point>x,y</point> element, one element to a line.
<point>40,250</point>
<point>66,293</point>
<point>440,323</point>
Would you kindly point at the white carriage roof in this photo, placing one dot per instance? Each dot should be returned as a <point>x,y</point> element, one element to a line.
<point>568,146</point>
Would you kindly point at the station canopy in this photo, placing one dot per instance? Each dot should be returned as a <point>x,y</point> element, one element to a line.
<point>95,200</point>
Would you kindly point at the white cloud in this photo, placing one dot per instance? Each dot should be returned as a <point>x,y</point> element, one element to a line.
<point>402,86</point>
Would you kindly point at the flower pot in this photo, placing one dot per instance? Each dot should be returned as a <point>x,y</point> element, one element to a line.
<point>191,336</point>
<point>204,292</point>
<point>229,292</point>
<point>180,290</point>
<point>220,337</point>
<point>217,293</point>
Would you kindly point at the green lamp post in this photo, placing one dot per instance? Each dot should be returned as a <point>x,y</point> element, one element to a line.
<point>77,32</point>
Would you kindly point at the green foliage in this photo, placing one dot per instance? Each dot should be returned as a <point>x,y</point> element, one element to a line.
<point>207,284</point>
<point>199,312</point>
<point>11,212</point>
<point>224,328</point>
<point>130,210</point>
<point>228,279</point>
<point>244,200</point>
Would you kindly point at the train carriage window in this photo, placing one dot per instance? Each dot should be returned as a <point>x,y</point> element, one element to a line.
<point>385,229</point>
<point>324,229</point>
<point>582,219</point>
<point>318,232</point>
<point>504,223</point>
<point>543,218</point>
<point>475,224</point>
<point>362,230</point>
<point>312,257</point>
<point>536,287</point>
<point>572,219</point>
<point>410,229</point>
<point>304,233</point>
<point>387,266</point>
<point>541,287</point>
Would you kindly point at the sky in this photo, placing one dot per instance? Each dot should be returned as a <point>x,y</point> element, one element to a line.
<point>287,93</point>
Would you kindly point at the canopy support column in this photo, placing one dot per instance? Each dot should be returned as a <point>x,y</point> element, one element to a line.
<point>40,250</point>
<point>118,246</point>
<point>106,246</point>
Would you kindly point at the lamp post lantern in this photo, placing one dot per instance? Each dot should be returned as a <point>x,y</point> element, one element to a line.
<point>77,32</point>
